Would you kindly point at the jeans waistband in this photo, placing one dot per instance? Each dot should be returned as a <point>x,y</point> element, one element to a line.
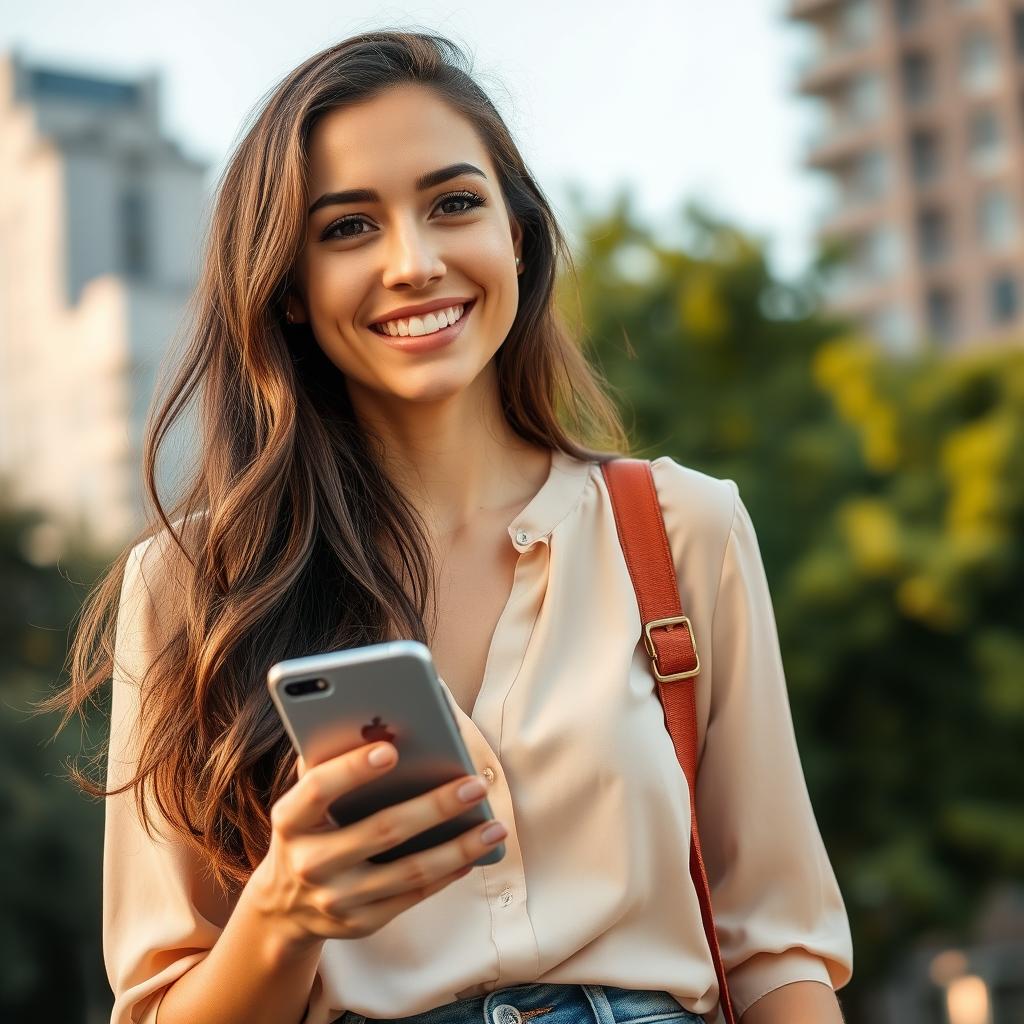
<point>540,1003</point>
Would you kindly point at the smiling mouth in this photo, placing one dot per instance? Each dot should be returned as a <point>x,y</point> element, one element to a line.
<point>379,328</point>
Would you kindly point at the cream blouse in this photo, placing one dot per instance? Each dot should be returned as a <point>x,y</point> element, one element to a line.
<point>568,730</point>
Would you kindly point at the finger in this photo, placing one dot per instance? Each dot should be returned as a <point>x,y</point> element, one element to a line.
<point>371,917</point>
<point>392,825</point>
<point>303,808</point>
<point>421,870</point>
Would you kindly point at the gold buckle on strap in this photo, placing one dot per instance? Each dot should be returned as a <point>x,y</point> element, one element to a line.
<point>676,620</point>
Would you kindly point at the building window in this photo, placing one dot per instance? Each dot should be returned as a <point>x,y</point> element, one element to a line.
<point>865,98</point>
<point>996,222</point>
<point>895,327</point>
<point>908,12</point>
<point>917,77</point>
<point>1004,299</point>
<point>979,62</point>
<point>925,158</point>
<point>881,254</point>
<point>985,132</point>
<point>857,22</point>
<point>134,261</point>
<point>941,313</point>
<point>870,176</point>
<point>933,235</point>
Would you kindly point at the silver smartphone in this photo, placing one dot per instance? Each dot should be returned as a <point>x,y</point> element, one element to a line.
<point>332,703</point>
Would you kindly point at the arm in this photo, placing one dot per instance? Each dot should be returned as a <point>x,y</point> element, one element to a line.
<point>779,913</point>
<point>249,977</point>
<point>799,1002</point>
<point>174,948</point>
<point>783,928</point>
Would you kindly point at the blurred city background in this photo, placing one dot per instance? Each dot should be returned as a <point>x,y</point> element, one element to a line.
<point>799,229</point>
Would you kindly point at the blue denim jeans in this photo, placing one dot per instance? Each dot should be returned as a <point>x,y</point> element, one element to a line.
<point>549,1004</point>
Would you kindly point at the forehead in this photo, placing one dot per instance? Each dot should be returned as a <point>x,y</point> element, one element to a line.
<point>388,141</point>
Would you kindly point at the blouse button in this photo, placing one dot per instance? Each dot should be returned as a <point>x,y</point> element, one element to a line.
<point>488,774</point>
<point>522,537</point>
<point>506,897</point>
<point>506,1013</point>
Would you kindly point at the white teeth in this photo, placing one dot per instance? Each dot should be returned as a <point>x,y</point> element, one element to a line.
<point>416,326</point>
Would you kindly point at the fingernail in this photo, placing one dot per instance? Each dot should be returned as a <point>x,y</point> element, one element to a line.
<point>471,789</point>
<point>381,756</point>
<point>494,832</point>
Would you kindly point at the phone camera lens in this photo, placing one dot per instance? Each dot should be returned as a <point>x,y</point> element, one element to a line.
<point>306,686</point>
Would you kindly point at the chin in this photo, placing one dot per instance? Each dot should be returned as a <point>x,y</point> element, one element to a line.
<point>437,389</point>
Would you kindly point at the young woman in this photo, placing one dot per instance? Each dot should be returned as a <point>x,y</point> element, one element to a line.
<point>366,473</point>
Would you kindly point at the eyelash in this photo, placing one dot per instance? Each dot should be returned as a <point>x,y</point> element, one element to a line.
<point>465,195</point>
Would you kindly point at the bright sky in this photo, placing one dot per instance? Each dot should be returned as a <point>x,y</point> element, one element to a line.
<point>679,99</point>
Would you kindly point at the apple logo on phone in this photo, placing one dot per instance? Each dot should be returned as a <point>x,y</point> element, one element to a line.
<point>376,731</point>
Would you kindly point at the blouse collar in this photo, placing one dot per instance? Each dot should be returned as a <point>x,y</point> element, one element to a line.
<point>556,498</point>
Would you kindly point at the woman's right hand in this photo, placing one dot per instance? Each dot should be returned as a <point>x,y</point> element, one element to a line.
<point>316,882</point>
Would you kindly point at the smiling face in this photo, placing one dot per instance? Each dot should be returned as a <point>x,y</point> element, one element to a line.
<point>419,241</point>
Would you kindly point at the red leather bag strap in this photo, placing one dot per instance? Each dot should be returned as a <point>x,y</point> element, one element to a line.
<point>668,637</point>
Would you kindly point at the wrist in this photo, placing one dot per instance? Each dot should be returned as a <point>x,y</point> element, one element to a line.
<point>285,941</point>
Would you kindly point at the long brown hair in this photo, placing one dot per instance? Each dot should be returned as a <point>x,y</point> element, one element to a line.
<point>275,544</point>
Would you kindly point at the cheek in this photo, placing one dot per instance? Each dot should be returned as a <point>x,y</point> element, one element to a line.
<point>489,257</point>
<point>333,284</point>
<point>491,267</point>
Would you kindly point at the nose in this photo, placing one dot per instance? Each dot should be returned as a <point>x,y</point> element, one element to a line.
<point>411,260</point>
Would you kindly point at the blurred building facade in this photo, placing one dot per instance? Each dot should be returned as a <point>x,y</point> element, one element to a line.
<point>101,218</point>
<point>922,141</point>
<point>977,981</point>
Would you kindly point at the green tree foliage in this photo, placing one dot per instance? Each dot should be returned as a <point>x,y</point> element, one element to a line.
<point>51,966</point>
<point>887,495</point>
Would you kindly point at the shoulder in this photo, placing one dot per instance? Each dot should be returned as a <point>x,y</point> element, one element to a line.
<point>157,567</point>
<point>156,553</point>
<point>699,513</point>
<point>693,501</point>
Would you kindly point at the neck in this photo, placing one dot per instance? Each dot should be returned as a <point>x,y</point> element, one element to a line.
<point>456,459</point>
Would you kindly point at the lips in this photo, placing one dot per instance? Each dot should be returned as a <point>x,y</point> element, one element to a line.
<point>466,307</point>
<point>418,345</point>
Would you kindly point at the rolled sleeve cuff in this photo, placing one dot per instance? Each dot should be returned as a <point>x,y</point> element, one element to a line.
<point>765,972</point>
<point>141,1007</point>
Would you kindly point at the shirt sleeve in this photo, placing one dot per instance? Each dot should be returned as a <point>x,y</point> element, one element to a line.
<point>160,915</point>
<point>779,913</point>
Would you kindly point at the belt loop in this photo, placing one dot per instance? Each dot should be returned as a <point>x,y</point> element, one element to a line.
<point>599,1003</point>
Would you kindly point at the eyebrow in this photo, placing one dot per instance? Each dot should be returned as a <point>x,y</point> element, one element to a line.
<point>369,195</point>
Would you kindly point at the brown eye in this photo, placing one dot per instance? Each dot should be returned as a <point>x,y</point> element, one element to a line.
<point>462,197</point>
<point>342,223</point>
<point>470,198</point>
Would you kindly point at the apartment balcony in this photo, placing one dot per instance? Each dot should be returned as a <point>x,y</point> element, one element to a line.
<point>860,296</point>
<point>841,143</point>
<point>854,216</point>
<point>826,72</point>
<point>810,8</point>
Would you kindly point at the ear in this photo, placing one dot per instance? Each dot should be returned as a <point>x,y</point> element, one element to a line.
<point>517,240</point>
<point>293,304</point>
